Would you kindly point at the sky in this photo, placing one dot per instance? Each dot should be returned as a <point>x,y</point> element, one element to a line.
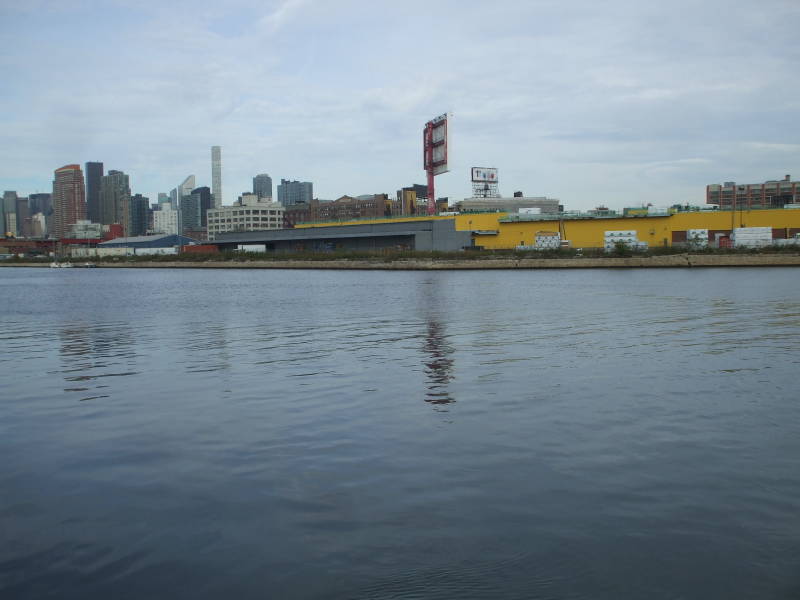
<point>620,103</point>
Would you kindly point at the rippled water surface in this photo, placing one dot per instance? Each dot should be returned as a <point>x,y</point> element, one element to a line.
<point>336,434</point>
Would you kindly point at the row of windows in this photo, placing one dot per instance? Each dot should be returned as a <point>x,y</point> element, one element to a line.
<point>243,212</point>
<point>242,219</point>
<point>228,226</point>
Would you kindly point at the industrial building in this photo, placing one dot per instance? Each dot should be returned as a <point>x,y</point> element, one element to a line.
<point>495,231</point>
<point>548,206</point>
<point>346,208</point>
<point>508,231</point>
<point>770,194</point>
<point>438,234</point>
<point>248,214</point>
<point>144,244</point>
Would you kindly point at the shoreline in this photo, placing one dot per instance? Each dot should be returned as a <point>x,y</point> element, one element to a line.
<point>634,262</point>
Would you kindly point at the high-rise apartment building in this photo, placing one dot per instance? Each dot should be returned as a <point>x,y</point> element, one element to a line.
<point>216,175</point>
<point>295,192</point>
<point>9,222</point>
<point>166,219</point>
<point>195,209</point>
<point>94,174</point>
<point>23,218</point>
<point>115,196</point>
<point>262,186</point>
<point>69,199</point>
<point>138,218</point>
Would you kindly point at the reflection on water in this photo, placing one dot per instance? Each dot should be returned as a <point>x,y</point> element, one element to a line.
<point>608,434</point>
<point>438,351</point>
<point>93,352</point>
<point>439,365</point>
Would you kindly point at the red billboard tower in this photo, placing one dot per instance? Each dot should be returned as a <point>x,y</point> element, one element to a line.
<point>435,142</point>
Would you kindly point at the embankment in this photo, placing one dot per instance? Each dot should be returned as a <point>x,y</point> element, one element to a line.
<point>667,261</point>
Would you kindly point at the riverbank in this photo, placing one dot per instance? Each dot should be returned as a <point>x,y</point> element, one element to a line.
<point>634,262</point>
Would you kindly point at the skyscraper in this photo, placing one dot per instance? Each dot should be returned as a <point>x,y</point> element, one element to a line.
<point>94,173</point>
<point>40,203</point>
<point>9,222</point>
<point>138,219</point>
<point>295,192</point>
<point>262,186</point>
<point>216,175</point>
<point>69,199</point>
<point>23,218</point>
<point>194,209</point>
<point>185,189</point>
<point>115,197</point>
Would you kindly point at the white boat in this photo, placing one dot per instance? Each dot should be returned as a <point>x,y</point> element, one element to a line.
<point>58,265</point>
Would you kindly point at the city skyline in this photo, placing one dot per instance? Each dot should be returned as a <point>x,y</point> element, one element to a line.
<point>616,104</point>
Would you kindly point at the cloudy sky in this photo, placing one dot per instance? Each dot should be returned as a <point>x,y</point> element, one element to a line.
<point>619,102</point>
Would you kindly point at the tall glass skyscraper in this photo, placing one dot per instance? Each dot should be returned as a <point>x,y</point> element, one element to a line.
<point>138,218</point>
<point>194,208</point>
<point>184,189</point>
<point>262,186</point>
<point>93,174</point>
<point>216,175</point>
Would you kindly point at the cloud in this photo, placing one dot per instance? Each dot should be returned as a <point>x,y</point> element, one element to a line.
<point>586,102</point>
<point>284,14</point>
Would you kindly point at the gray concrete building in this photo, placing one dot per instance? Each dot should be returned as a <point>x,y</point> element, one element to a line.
<point>216,175</point>
<point>115,195</point>
<point>247,214</point>
<point>434,235</point>
<point>295,192</point>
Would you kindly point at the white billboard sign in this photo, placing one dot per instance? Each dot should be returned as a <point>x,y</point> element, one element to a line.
<point>484,175</point>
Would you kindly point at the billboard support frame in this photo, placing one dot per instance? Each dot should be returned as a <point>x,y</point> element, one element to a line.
<point>436,142</point>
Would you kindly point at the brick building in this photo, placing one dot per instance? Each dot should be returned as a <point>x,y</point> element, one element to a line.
<point>346,208</point>
<point>770,194</point>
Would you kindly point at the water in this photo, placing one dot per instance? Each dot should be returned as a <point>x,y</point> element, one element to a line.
<point>335,434</point>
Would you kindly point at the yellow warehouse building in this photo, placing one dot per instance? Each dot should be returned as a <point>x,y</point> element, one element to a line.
<point>502,231</point>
